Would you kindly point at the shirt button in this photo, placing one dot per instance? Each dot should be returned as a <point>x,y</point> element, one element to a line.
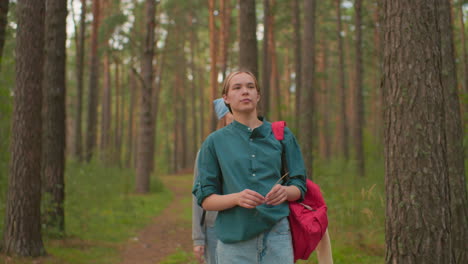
<point>253,174</point>
<point>253,156</point>
<point>251,139</point>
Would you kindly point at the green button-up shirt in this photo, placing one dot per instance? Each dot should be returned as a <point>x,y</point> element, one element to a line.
<point>235,158</point>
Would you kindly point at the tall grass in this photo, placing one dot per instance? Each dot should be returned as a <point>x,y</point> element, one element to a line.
<point>356,211</point>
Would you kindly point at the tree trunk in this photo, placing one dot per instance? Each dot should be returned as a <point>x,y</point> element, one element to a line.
<point>323,103</point>
<point>274,86</point>
<point>146,138</point>
<point>417,183</point>
<point>266,74</point>
<point>182,88</point>
<point>248,53</point>
<point>193,82</point>
<point>213,57</point>
<point>306,127</point>
<point>454,136</point>
<point>226,10</point>
<point>22,230</point>
<point>131,112</point>
<point>106,114</point>
<point>342,117</point>
<point>93,93</point>
<point>53,159</point>
<point>376,93</point>
<point>296,21</point>
<point>3,23</point>
<point>358,98</point>
<point>80,75</point>
<point>118,117</point>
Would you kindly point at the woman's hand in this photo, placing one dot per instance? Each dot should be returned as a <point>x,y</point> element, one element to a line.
<point>249,199</point>
<point>277,195</point>
<point>199,251</point>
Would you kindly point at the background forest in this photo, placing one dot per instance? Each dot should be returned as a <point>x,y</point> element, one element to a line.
<point>133,105</point>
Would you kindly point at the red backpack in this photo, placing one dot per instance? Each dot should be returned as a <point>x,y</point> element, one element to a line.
<point>307,219</point>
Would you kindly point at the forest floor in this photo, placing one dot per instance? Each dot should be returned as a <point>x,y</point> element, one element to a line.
<point>167,233</point>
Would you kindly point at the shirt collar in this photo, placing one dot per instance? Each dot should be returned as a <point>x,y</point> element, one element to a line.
<point>262,131</point>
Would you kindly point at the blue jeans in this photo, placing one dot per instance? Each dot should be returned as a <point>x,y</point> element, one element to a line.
<point>210,248</point>
<point>271,247</point>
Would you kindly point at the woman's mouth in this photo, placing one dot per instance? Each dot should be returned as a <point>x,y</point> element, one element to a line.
<point>246,100</point>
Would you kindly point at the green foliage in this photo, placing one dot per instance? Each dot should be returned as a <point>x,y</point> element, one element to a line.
<point>100,201</point>
<point>101,212</point>
<point>356,211</point>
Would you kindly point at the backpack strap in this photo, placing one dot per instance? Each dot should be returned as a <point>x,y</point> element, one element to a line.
<point>278,130</point>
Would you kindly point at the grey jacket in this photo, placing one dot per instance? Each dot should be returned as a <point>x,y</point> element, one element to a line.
<point>199,231</point>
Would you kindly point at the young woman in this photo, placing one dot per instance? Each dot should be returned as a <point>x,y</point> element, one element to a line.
<point>203,231</point>
<point>239,171</point>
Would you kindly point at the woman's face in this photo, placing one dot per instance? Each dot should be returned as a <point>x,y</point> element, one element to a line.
<point>242,95</point>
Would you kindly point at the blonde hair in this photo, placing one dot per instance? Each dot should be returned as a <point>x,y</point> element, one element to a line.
<point>227,80</point>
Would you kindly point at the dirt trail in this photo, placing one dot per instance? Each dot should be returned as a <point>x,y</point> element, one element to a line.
<point>166,232</point>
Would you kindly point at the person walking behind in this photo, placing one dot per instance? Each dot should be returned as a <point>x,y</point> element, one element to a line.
<point>203,231</point>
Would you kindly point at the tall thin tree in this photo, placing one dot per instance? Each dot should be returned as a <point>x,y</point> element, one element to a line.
<point>306,124</point>
<point>91,131</point>
<point>22,230</point>
<point>248,51</point>
<point>106,112</point>
<point>454,136</point>
<point>146,137</point>
<point>53,159</point>
<point>266,66</point>
<point>343,119</point>
<point>416,169</point>
<point>78,149</point>
<point>297,59</point>
<point>213,59</point>
<point>358,90</point>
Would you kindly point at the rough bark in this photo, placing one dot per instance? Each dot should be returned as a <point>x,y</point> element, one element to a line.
<point>22,229</point>
<point>53,159</point>
<point>454,136</point>
<point>418,217</point>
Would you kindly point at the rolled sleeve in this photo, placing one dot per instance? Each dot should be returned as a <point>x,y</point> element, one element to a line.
<point>297,172</point>
<point>208,180</point>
